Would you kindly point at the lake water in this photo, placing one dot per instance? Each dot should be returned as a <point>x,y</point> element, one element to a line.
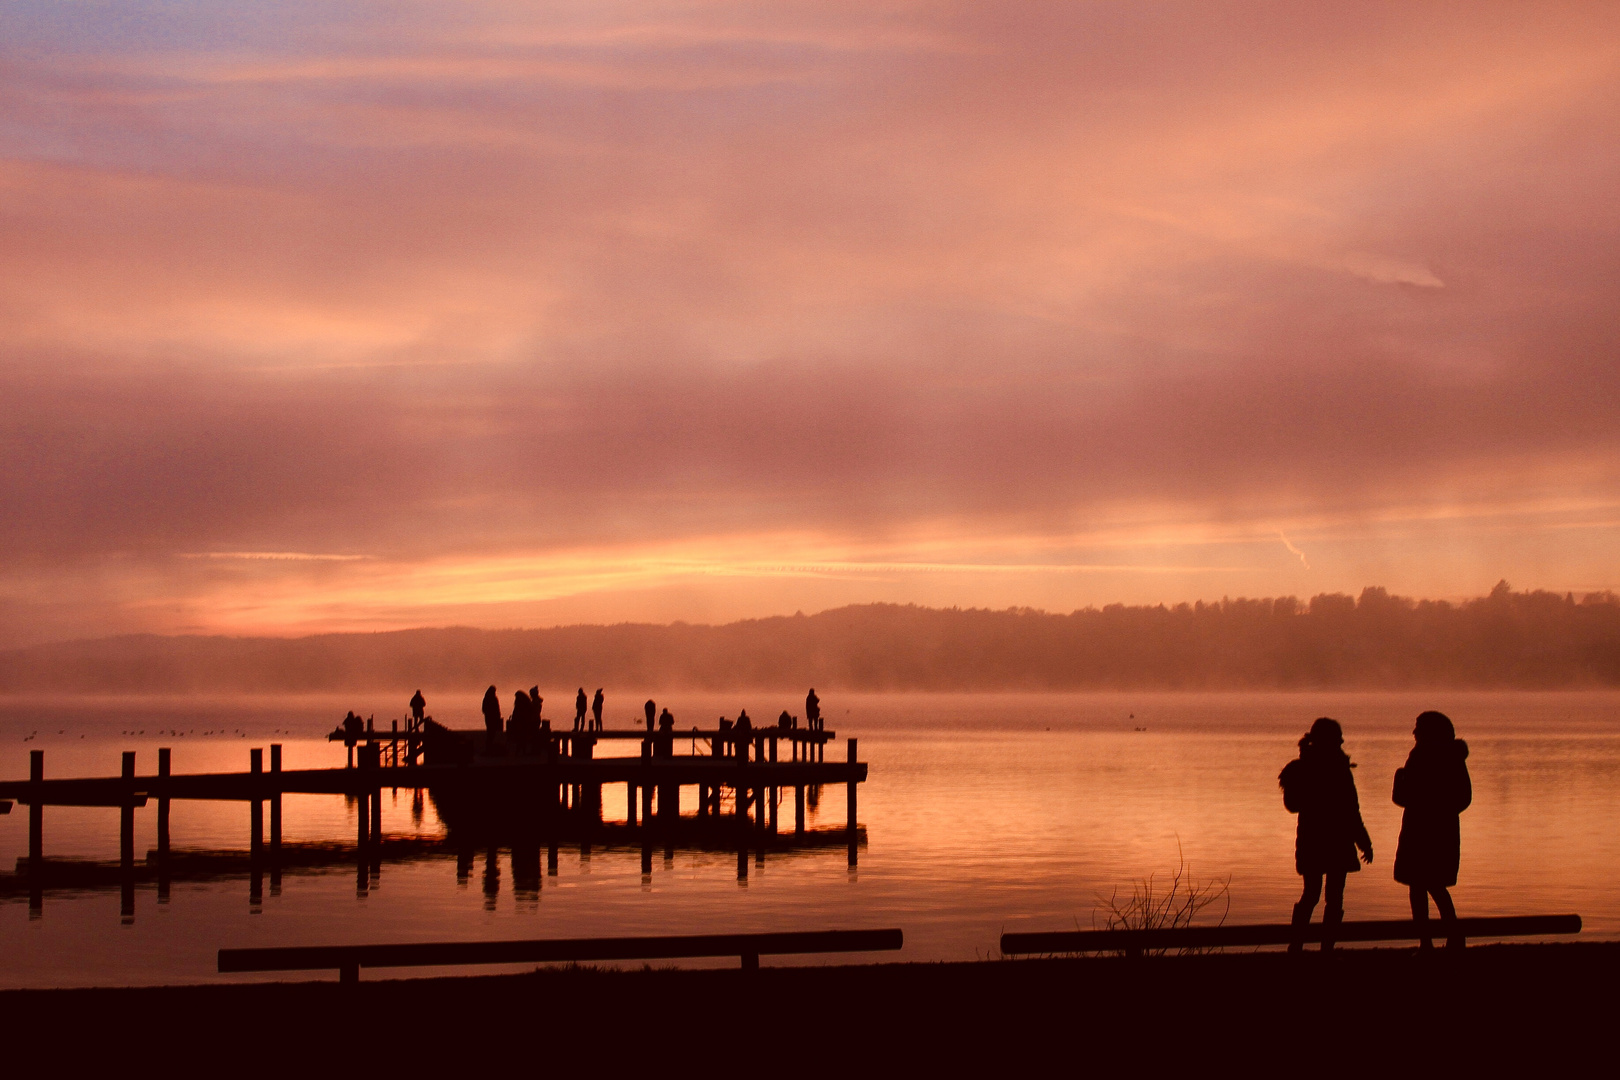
<point>983,813</point>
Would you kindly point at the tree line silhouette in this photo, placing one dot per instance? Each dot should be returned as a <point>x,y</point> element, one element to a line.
<point>1504,640</point>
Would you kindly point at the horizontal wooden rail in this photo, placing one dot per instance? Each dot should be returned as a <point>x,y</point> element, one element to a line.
<point>349,959</point>
<point>1216,937</point>
<point>119,791</point>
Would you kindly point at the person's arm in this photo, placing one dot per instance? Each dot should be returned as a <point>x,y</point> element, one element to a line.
<point>1363,840</point>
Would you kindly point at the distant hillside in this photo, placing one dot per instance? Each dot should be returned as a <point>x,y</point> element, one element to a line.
<point>1506,639</point>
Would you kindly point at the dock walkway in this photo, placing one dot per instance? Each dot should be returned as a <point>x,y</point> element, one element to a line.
<point>553,791</point>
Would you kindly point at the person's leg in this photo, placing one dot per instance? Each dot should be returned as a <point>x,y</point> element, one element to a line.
<point>1333,913</point>
<point>1420,914</point>
<point>1306,905</point>
<point>1448,915</point>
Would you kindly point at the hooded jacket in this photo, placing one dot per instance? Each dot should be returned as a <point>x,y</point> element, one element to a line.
<point>1319,787</point>
<point>1435,789</point>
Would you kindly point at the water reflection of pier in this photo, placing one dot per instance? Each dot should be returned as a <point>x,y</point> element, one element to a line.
<point>532,802</point>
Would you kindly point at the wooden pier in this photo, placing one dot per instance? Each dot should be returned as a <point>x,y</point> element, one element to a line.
<point>550,793</point>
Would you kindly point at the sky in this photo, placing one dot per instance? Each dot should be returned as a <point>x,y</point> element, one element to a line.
<point>350,316</point>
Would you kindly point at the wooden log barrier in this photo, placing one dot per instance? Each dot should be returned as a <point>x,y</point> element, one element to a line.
<point>1217,937</point>
<point>349,959</point>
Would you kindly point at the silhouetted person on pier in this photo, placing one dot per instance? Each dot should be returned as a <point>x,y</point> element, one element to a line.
<point>492,720</point>
<point>785,721</point>
<point>1319,787</point>
<point>1435,789</point>
<point>596,711</point>
<point>539,702</point>
<point>524,725</point>
<point>418,706</point>
<point>651,710</point>
<point>742,732</point>
<point>664,743</point>
<point>812,710</point>
<point>580,705</point>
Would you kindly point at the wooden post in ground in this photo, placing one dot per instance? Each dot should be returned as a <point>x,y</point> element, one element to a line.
<point>851,786</point>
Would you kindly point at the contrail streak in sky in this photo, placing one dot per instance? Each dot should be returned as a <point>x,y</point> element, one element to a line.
<point>1289,545</point>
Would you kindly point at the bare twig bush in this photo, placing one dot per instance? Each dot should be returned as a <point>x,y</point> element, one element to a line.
<point>1164,902</point>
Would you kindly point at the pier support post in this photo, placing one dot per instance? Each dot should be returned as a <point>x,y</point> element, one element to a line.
<point>630,802</point>
<point>275,820</point>
<point>126,841</point>
<point>275,800</point>
<point>36,835</point>
<point>798,809</point>
<point>851,787</point>
<point>646,789</point>
<point>256,806</point>
<point>126,818</point>
<point>363,825</point>
<point>163,825</point>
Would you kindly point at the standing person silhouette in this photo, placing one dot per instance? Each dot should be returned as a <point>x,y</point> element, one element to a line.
<point>524,725</point>
<point>579,709</point>
<point>534,696</point>
<point>1434,789</point>
<point>651,710</point>
<point>596,711</point>
<point>418,706</point>
<point>1319,787</point>
<point>492,720</point>
<point>812,710</point>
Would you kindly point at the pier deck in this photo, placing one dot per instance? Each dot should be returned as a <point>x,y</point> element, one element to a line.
<point>552,794</point>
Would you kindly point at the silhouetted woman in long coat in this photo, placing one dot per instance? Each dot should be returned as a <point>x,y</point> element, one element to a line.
<point>1319,787</point>
<point>1434,788</point>
<point>492,718</point>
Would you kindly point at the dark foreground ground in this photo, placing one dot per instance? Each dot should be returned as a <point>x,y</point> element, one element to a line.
<point>1488,1011</point>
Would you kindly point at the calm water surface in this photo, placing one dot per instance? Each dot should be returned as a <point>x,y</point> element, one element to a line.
<point>983,814</point>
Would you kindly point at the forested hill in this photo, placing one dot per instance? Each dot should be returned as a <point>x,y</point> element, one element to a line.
<point>1506,639</point>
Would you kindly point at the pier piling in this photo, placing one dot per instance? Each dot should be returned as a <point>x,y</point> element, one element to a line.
<point>163,825</point>
<point>36,833</point>
<point>126,844</point>
<point>256,807</point>
<point>850,820</point>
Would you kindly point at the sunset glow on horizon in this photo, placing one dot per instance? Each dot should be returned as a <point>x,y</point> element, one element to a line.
<point>355,317</point>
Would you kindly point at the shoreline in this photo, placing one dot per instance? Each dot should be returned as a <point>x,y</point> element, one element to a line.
<point>1531,1002</point>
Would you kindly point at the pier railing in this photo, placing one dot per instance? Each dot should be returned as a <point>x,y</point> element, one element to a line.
<point>349,959</point>
<point>1136,942</point>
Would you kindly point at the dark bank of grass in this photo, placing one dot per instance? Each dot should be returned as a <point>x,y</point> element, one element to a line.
<point>1489,1007</point>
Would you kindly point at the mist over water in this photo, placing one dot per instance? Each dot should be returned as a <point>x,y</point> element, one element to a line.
<point>983,813</point>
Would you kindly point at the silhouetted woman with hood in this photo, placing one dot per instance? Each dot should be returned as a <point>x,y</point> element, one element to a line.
<point>1319,787</point>
<point>1434,788</point>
